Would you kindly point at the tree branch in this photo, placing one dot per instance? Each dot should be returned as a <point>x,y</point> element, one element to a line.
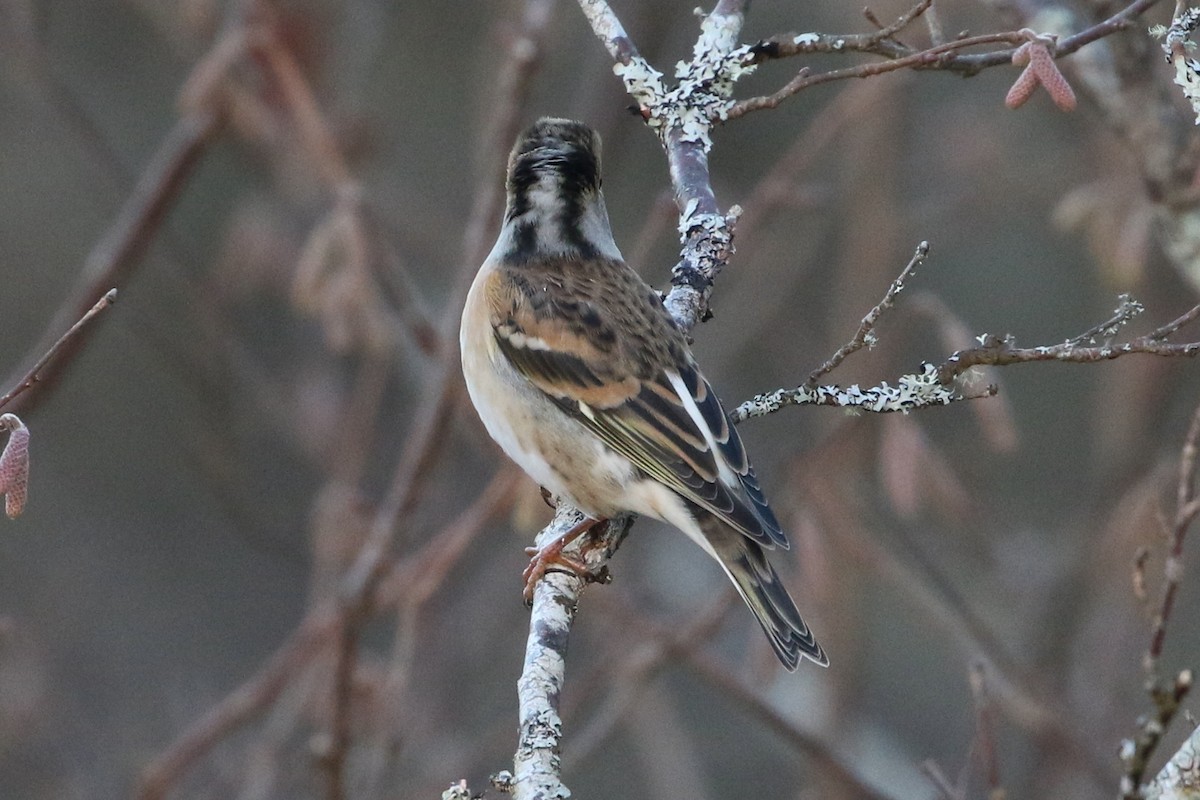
<point>944,56</point>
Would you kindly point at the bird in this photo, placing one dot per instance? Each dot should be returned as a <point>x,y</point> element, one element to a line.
<point>583,378</point>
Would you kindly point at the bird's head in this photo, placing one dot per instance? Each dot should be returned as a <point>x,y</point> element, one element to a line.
<point>555,206</point>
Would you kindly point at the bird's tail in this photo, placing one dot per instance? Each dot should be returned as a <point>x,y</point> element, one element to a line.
<point>757,582</point>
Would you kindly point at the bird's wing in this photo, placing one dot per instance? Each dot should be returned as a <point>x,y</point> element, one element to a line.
<point>667,421</point>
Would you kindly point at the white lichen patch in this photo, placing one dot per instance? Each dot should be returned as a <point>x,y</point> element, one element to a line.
<point>704,86</point>
<point>1177,42</point>
<point>1187,78</point>
<point>913,391</point>
<point>643,82</point>
<point>1180,778</point>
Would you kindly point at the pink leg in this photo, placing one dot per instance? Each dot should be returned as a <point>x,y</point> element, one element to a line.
<point>551,555</point>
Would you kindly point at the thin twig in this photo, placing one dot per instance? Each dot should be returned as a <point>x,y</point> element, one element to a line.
<point>34,376</point>
<point>999,351</point>
<point>1185,514</point>
<point>937,385</point>
<point>865,336</point>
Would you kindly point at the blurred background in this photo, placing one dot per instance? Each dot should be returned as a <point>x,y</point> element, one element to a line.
<point>277,384</point>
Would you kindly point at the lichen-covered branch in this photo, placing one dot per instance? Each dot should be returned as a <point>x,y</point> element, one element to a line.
<point>939,385</point>
<point>1179,779</point>
<point>1178,45</point>
<point>682,116</point>
<point>556,596</point>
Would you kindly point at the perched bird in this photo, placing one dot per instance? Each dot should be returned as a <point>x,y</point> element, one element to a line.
<point>584,380</point>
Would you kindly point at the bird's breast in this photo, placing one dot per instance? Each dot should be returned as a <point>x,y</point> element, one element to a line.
<point>555,450</point>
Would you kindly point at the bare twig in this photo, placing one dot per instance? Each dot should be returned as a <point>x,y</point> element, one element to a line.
<point>64,343</point>
<point>239,707</point>
<point>865,336</point>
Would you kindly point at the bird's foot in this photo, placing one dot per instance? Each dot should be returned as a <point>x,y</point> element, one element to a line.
<point>550,556</point>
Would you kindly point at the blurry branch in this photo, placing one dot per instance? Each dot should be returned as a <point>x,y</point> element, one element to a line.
<point>941,56</point>
<point>1166,695</point>
<point>1012,690</point>
<point>984,744</point>
<point>332,280</point>
<point>113,258</point>
<point>1124,80</point>
<point>239,707</point>
<point>410,583</point>
<point>628,671</point>
<point>682,643</point>
<point>940,385</point>
<point>733,689</point>
<point>441,396</point>
<point>945,788</point>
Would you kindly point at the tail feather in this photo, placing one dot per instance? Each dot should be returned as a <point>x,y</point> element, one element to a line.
<point>745,562</point>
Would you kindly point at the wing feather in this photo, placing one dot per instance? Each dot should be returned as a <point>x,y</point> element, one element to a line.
<point>669,423</point>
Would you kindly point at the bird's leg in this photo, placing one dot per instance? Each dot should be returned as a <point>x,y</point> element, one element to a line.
<point>551,555</point>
